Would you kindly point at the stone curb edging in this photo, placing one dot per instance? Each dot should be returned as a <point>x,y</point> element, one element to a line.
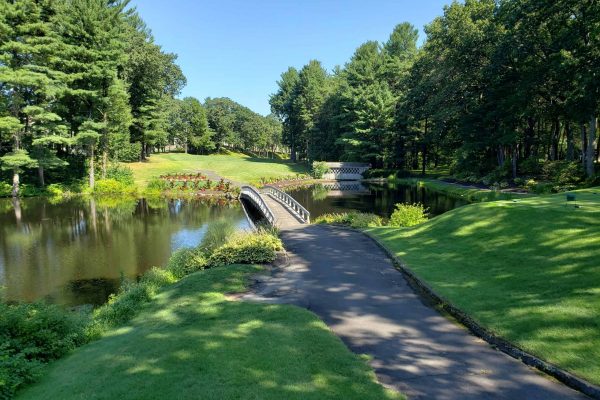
<point>424,290</point>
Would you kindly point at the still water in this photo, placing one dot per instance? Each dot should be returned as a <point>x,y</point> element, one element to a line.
<point>78,251</point>
<point>370,197</point>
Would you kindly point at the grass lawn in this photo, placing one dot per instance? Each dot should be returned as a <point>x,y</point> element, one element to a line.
<point>194,343</point>
<point>527,269</point>
<point>233,166</point>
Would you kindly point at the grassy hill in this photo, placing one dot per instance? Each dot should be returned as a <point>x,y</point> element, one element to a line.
<point>193,342</point>
<point>527,269</point>
<point>234,166</point>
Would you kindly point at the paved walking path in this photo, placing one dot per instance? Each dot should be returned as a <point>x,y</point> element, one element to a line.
<point>345,278</point>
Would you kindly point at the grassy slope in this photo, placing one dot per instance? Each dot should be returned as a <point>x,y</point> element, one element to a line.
<point>529,270</point>
<point>237,167</point>
<point>194,343</point>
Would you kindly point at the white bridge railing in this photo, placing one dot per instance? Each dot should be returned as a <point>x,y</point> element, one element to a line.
<point>288,201</point>
<point>254,195</point>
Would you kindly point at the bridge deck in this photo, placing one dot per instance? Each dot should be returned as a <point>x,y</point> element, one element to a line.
<point>285,219</point>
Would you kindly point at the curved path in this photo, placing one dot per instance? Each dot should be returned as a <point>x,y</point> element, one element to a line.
<point>345,278</point>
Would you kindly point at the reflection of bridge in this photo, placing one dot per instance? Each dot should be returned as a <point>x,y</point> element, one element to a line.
<point>344,188</point>
<point>278,208</point>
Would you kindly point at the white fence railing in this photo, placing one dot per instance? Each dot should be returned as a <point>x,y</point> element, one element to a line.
<point>289,202</point>
<point>254,195</point>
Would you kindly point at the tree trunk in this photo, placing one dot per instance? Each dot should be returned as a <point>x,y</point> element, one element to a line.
<point>501,156</point>
<point>92,180</point>
<point>583,145</point>
<point>104,163</point>
<point>554,139</point>
<point>529,137</point>
<point>41,176</point>
<point>15,185</point>
<point>591,148</point>
<point>424,166</point>
<point>570,142</point>
<point>105,146</point>
<point>515,155</point>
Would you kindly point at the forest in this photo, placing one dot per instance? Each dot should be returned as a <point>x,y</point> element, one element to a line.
<point>499,90</point>
<point>83,85</point>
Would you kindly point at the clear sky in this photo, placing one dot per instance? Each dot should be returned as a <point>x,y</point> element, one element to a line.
<point>239,48</point>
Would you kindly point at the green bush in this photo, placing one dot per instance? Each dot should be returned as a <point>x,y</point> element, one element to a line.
<point>246,248</point>
<point>185,261</point>
<point>129,153</point>
<point>563,173</point>
<point>353,219</point>
<point>408,215</point>
<point>530,166</point>
<point>32,335</point>
<point>319,169</point>
<point>121,307</point>
<point>156,186</point>
<point>120,173</point>
<point>56,189</point>
<point>110,187</point>
<point>5,189</point>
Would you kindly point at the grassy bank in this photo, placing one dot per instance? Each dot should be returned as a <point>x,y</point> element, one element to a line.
<point>471,194</point>
<point>526,269</point>
<point>234,166</point>
<point>192,341</point>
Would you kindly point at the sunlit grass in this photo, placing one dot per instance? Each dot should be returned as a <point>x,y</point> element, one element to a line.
<point>233,166</point>
<point>528,269</point>
<point>195,343</point>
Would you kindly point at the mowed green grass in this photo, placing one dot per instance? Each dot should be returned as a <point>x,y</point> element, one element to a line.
<point>528,269</point>
<point>192,342</point>
<point>234,166</point>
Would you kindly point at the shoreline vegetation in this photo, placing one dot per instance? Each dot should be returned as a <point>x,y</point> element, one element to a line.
<point>188,295</point>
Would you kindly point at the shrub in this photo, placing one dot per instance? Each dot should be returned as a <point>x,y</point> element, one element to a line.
<point>120,173</point>
<point>356,220</point>
<point>121,307</point>
<point>109,187</point>
<point>563,173</point>
<point>156,186</point>
<point>408,215</point>
<point>530,166</point>
<point>247,248</point>
<point>32,335</point>
<point>56,189</point>
<point>185,261</point>
<point>5,189</point>
<point>319,169</point>
<point>129,153</point>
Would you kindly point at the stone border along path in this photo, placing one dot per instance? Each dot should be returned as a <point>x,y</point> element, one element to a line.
<point>345,278</point>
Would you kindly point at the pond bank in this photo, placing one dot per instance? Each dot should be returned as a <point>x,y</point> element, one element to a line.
<point>523,269</point>
<point>346,279</point>
<point>192,342</point>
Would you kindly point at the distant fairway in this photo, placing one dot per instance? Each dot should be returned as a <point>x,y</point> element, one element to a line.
<point>236,167</point>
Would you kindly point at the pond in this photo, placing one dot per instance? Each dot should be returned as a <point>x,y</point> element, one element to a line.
<point>80,250</point>
<point>378,198</point>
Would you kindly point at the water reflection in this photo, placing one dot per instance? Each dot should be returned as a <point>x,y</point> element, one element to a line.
<point>76,251</point>
<point>370,197</point>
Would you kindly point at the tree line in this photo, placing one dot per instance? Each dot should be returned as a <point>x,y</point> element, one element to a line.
<point>499,87</point>
<point>82,82</point>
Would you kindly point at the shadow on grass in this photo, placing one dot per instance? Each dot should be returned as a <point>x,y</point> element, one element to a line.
<point>194,343</point>
<point>526,270</point>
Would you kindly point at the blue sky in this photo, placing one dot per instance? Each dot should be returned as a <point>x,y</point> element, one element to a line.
<point>238,49</point>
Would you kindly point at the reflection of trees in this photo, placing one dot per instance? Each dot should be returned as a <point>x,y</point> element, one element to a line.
<point>47,257</point>
<point>319,192</point>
